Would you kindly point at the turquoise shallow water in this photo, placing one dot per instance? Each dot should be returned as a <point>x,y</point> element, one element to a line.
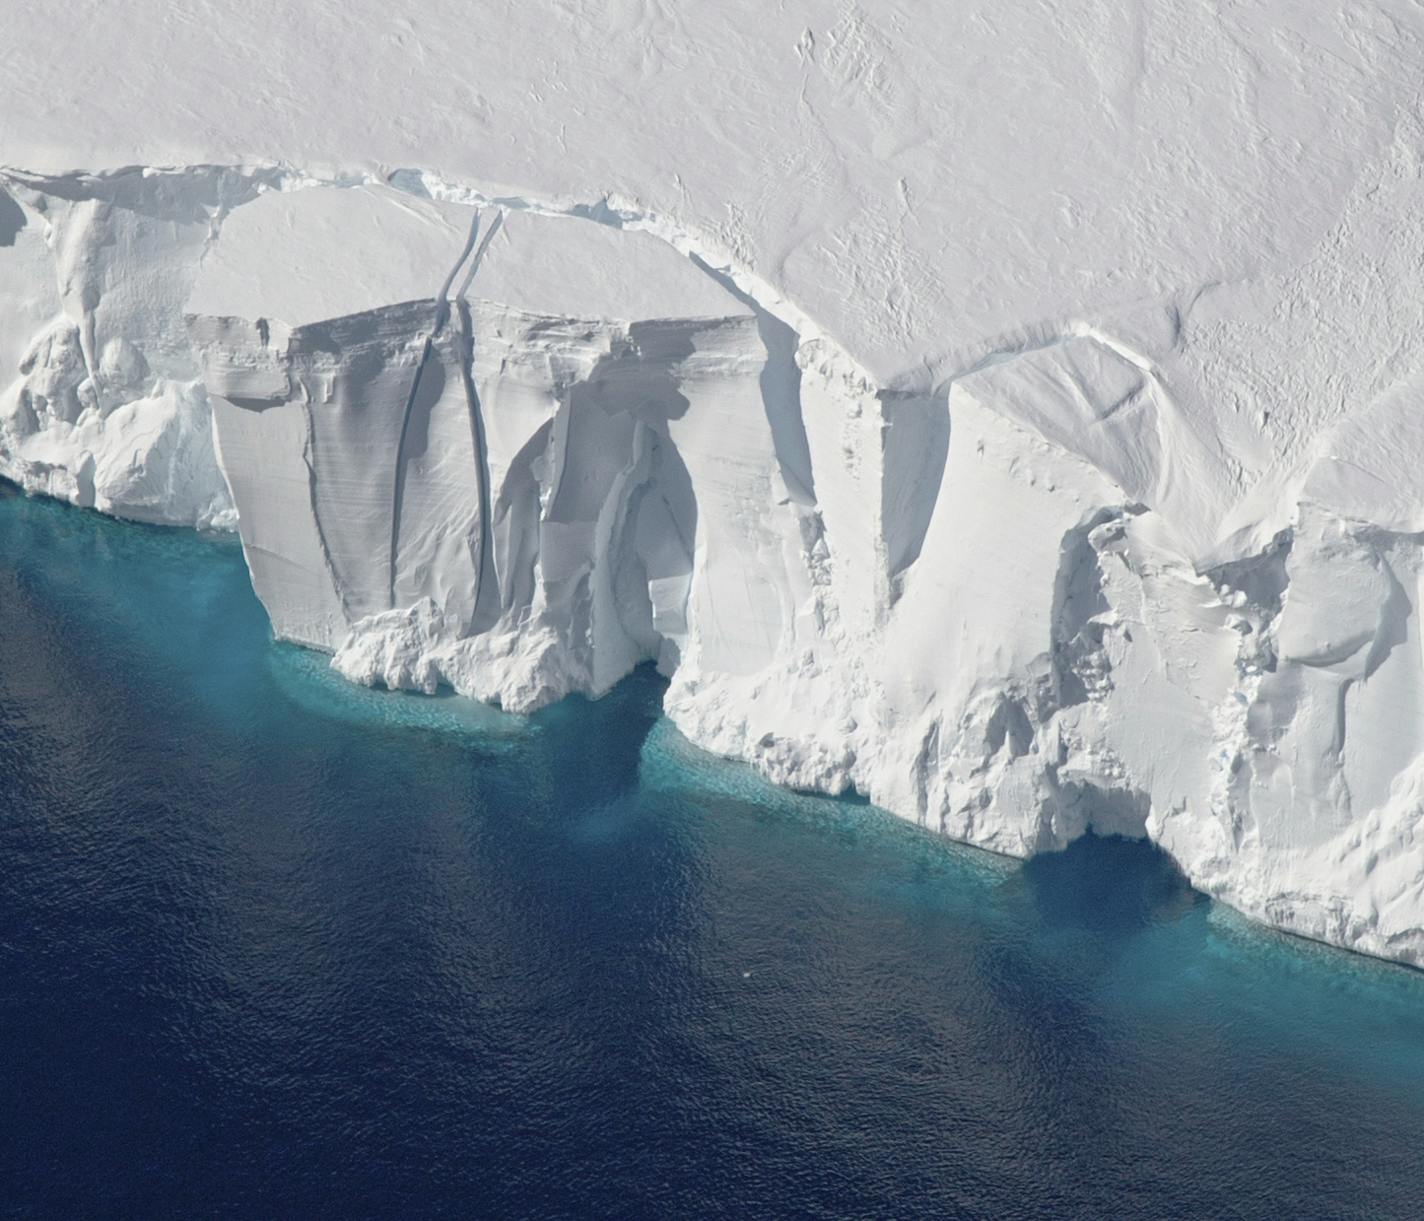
<point>271,945</point>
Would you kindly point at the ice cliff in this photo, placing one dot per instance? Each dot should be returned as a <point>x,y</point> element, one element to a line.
<point>1025,476</point>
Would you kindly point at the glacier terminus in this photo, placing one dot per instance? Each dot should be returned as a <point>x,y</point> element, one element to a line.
<point>1012,412</point>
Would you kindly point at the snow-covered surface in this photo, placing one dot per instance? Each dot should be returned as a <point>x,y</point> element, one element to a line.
<point>1011,410</point>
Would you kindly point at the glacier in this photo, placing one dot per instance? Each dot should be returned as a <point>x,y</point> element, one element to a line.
<point>1032,449</point>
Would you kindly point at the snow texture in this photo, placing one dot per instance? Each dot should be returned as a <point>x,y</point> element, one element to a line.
<point>1010,411</point>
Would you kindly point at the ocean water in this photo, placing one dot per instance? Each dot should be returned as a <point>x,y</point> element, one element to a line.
<point>273,946</point>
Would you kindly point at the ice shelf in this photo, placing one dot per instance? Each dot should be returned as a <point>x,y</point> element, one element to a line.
<point>1012,414</point>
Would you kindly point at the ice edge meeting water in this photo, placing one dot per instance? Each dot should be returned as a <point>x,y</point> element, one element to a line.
<point>296,946</point>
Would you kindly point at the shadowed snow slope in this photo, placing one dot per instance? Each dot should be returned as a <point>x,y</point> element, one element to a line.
<point>1009,412</point>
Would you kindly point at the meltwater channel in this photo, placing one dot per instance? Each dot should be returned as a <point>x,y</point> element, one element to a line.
<point>272,945</point>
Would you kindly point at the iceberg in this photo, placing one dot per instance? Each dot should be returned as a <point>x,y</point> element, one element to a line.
<point>1014,421</point>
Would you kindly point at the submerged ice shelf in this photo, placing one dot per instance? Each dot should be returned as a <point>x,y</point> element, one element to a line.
<point>518,446</point>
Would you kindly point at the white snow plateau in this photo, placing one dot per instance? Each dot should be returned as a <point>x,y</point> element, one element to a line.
<point>1010,409</point>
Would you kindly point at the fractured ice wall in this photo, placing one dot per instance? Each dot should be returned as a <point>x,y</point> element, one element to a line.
<point>1073,584</point>
<point>519,458</point>
<point>100,398</point>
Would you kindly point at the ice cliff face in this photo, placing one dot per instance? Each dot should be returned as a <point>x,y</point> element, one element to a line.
<point>444,478</point>
<point>1077,581</point>
<point>103,402</point>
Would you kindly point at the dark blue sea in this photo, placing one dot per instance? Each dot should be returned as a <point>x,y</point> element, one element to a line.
<point>274,946</point>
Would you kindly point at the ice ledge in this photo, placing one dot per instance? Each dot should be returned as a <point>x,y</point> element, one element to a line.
<point>1052,589</point>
